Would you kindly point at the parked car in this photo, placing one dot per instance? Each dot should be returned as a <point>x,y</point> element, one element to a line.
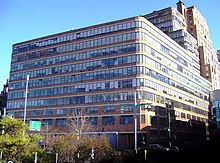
<point>157,147</point>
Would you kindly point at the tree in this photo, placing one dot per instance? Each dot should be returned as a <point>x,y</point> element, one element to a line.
<point>101,148</point>
<point>14,145</point>
<point>65,145</point>
<point>78,145</point>
<point>96,144</point>
<point>80,124</point>
<point>71,149</point>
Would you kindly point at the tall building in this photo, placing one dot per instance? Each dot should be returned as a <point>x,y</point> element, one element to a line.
<point>215,98</point>
<point>173,23</point>
<point>214,122</point>
<point>98,70</point>
<point>189,28</point>
<point>3,99</point>
<point>198,27</point>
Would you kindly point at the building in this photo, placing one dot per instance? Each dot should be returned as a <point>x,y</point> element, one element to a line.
<point>215,99</point>
<point>174,24</point>
<point>189,28</point>
<point>98,70</point>
<point>214,122</point>
<point>3,99</point>
<point>198,27</point>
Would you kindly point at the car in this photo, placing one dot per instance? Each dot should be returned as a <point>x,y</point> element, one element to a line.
<point>158,147</point>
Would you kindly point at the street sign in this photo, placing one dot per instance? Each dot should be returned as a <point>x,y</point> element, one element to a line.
<point>35,125</point>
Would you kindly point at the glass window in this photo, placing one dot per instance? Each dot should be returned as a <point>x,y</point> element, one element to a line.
<point>93,109</point>
<point>108,120</point>
<point>47,112</point>
<point>61,122</point>
<point>92,120</point>
<point>183,115</point>
<point>124,26</point>
<point>127,119</point>
<point>35,113</point>
<point>61,111</point>
<point>188,116</point>
<point>21,113</point>
<point>11,114</point>
<point>107,109</point>
<point>46,122</point>
<point>75,111</point>
<point>143,120</point>
<point>126,108</point>
<point>128,25</point>
<point>116,27</point>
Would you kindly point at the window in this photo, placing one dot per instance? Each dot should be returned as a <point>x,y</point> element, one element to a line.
<point>143,119</point>
<point>61,111</point>
<point>207,74</point>
<point>93,109</point>
<point>183,115</point>
<point>35,113</point>
<point>75,111</point>
<point>47,112</point>
<point>177,113</point>
<point>47,121</point>
<point>108,109</point>
<point>12,114</point>
<point>108,120</point>
<point>21,113</point>
<point>92,120</point>
<point>126,108</point>
<point>193,117</point>
<point>61,122</point>
<point>128,119</point>
<point>207,68</point>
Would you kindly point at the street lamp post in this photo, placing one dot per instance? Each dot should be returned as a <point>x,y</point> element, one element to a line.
<point>168,107</point>
<point>135,106</point>
<point>25,102</point>
<point>3,131</point>
<point>4,113</point>
<point>135,123</point>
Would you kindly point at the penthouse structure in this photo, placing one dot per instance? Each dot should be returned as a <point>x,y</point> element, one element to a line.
<point>98,70</point>
<point>189,28</point>
<point>174,24</point>
<point>198,27</point>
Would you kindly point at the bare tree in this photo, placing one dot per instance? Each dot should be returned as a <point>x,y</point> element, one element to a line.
<point>80,124</point>
<point>74,146</point>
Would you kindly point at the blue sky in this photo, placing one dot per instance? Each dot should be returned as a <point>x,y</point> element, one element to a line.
<point>22,20</point>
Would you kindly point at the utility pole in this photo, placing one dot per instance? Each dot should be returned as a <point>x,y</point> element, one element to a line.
<point>35,157</point>
<point>168,107</point>
<point>135,106</point>
<point>135,123</point>
<point>3,131</point>
<point>25,102</point>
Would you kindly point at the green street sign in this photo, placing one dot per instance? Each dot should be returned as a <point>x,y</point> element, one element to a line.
<point>35,125</point>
